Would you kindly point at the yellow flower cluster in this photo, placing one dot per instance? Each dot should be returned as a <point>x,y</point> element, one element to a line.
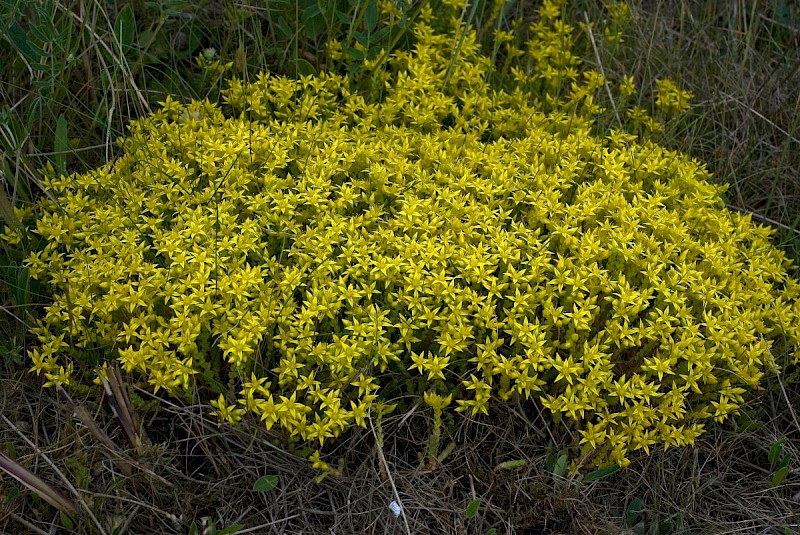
<point>313,248</point>
<point>671,99</point>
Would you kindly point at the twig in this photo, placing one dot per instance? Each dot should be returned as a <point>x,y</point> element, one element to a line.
<point>69,151</point>
<point>46,491</point>
<point>407,415</point>
<point>120,61</point>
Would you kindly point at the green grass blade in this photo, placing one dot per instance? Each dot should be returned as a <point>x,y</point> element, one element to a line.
<point>61,145</point>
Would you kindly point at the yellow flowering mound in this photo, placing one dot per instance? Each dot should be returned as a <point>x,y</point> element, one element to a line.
<point>305,249</point>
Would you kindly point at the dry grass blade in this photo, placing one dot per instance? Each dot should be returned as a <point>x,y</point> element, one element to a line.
<point>388,472</point>
<point>602,70</point>
<point>61,475</point>
<point>32,527</point>
<point>121,405</point>
<point>86,419</point>
<point>46,491</point>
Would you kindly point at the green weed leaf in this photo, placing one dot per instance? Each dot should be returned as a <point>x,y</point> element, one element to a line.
<point>125,28</point>
<point>19,40</point>
<point>665,528</point>
<point>7,210</point>
<point>314,21</point>
<point>328,11</point>
<point>66,521</point>
<point>560,466</point>
<point>746,422</point>
<point>783,13</point>
<point>12,496</point>
<point>782,470</point>
<point>600,473</point>
<point>775,451</point>
<point>371,15</point>
<point>20,279</point>
<point>282,28</point>
<point>343,17</point>
<point>304,68</point>
<point>265,483</point>
<point>472,508</point>
<point>633,511</point>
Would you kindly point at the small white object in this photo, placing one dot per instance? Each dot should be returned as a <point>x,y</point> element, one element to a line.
<point>395,508</point>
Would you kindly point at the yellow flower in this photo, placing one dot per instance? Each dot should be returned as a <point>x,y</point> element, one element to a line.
<point>317,462</point>
<point>435,367</point>
<point>436,401</point>
<point>671,99</point>
<point>627,87</point>
<point>225,412</point>
<point>594,435</point>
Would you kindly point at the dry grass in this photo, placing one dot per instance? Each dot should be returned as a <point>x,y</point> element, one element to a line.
<point>192,469</point>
